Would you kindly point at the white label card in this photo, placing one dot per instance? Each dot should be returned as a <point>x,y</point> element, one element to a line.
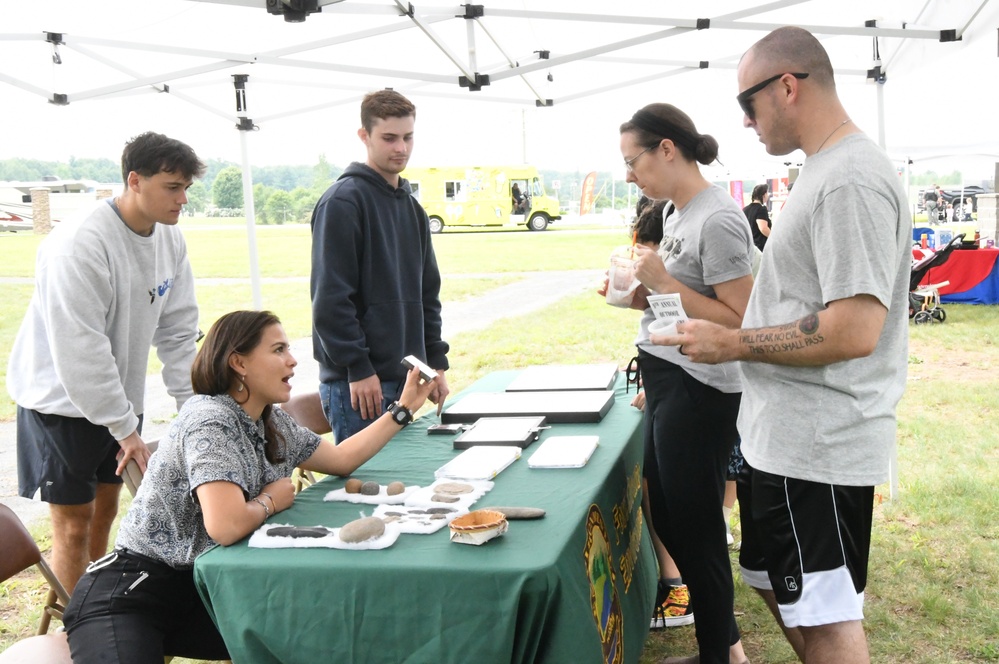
<point>667,307</point>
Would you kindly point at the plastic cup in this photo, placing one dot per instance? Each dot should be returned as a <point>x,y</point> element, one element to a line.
<point>660,326</point>
<point>621,281</point>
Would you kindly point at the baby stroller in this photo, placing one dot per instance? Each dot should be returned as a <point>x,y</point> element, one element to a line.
<point>924,303</point>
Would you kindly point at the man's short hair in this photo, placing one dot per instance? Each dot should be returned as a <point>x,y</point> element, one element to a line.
<point>384,104</point>
<point>151,153</point>
<point>794,49</point>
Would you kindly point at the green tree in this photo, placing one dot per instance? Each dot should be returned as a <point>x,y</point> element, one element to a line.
<point>304,201</point>
<point>212,169</point>
<point>101,170</point>
<point>280,207</point>
<point>227,190</point>
<point>261,192</point>
<point>197,197</point>
<point>322,175</point>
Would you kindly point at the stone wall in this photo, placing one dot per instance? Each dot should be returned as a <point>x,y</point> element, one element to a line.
<point>41,213</point>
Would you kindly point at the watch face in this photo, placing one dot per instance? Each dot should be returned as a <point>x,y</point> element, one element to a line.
<point>401,415</point>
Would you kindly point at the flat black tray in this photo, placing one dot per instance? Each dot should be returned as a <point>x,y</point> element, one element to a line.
<point>558,407</point>
<point>519,431</point>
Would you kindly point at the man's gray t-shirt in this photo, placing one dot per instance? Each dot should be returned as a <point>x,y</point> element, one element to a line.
<point>844,231</point>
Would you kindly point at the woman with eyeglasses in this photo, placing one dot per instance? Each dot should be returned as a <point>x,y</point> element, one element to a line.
<point>691,409</point>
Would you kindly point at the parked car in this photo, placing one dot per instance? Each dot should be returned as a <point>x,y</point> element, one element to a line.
<point>956,196</point>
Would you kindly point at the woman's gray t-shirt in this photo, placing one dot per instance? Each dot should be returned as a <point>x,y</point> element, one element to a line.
<point>706,243</point>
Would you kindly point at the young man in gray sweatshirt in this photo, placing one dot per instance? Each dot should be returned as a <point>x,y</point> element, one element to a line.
<point>109,284</point>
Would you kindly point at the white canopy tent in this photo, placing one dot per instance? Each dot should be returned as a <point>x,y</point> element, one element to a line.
<point>918,75</point>
<point>558,65</point>
<point>914,74</point>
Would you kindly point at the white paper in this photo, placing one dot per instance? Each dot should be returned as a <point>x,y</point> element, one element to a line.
<point>261,540</point>
<point>425,497</point>
<point>480,462</point>
<point>415,520</point>
<point>667,307</point>
<point>564,452</point>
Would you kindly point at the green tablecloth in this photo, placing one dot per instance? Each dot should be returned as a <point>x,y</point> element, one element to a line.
<point>575,586</point>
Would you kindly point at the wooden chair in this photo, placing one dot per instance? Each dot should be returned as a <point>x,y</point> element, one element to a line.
<point>307,410</point>
<point>43,649</point>
<point>132,475</point>
<point>20,553</point>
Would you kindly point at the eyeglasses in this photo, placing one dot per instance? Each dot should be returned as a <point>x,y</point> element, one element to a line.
<point>630,163</point>
<point>745,98</point>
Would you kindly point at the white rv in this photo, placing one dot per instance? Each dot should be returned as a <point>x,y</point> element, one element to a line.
<point>65,198</point>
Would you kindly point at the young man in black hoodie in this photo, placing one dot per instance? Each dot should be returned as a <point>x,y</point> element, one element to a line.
<point>375,283</point>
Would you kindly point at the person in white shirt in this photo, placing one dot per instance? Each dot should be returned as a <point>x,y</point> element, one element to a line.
<point>108,285</point>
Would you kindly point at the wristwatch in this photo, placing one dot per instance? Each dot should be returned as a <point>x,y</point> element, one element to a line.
<point>400,414</point>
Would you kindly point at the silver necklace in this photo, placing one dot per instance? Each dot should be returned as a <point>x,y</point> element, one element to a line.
<point>823,144</point>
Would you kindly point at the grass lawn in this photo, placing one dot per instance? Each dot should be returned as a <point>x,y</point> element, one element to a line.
<point>470,262</point>
<point>933,583</point>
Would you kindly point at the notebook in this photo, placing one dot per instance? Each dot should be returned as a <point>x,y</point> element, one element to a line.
<point>479,463</point>
<point>564,452</point>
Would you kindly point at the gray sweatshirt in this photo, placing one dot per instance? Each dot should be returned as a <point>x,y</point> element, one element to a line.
<point>103,296</point>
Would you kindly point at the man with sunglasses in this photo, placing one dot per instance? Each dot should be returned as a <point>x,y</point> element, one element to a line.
<point>823,350</point>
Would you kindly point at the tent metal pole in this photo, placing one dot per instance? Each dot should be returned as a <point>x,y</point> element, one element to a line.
<point>251,233</point>
<point>881,115</point>
<point>244,127</point>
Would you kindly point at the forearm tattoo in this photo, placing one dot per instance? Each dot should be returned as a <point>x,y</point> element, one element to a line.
<point>784,338</point>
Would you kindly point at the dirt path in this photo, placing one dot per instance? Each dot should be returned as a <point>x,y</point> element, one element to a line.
<point>533,291</point>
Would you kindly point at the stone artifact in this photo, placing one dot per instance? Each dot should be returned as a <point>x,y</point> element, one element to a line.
<point>362,530</point>
<point>454,488</point>
<point>439,510</point>
<point>395,488</point>
<point>444,498</point>
<point>370,488</point>
<point>519,512</point>
<point>297,531</point>
<point>353,485</point>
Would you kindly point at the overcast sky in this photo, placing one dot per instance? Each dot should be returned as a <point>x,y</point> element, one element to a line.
<point>578,134</point>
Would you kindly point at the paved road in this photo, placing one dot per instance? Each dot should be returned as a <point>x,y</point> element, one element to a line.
<point>533,291</point>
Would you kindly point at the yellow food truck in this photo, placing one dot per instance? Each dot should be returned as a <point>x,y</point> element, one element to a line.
<point>483,196</point>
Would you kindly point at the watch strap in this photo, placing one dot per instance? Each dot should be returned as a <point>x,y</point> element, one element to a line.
<point>400,414</point>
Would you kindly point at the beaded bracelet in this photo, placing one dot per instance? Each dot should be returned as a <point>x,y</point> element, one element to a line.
<point>271,498</point>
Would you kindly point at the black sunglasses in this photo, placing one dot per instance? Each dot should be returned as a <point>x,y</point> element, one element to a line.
<point>745,98</point>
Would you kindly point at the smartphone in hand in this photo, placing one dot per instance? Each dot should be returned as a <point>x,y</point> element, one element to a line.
<point>411,361</point>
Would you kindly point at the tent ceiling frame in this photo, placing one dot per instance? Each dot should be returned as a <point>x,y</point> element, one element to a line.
<point>424,17</point>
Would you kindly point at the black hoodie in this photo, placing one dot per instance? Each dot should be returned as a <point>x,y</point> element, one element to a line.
<point>375,283</point>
